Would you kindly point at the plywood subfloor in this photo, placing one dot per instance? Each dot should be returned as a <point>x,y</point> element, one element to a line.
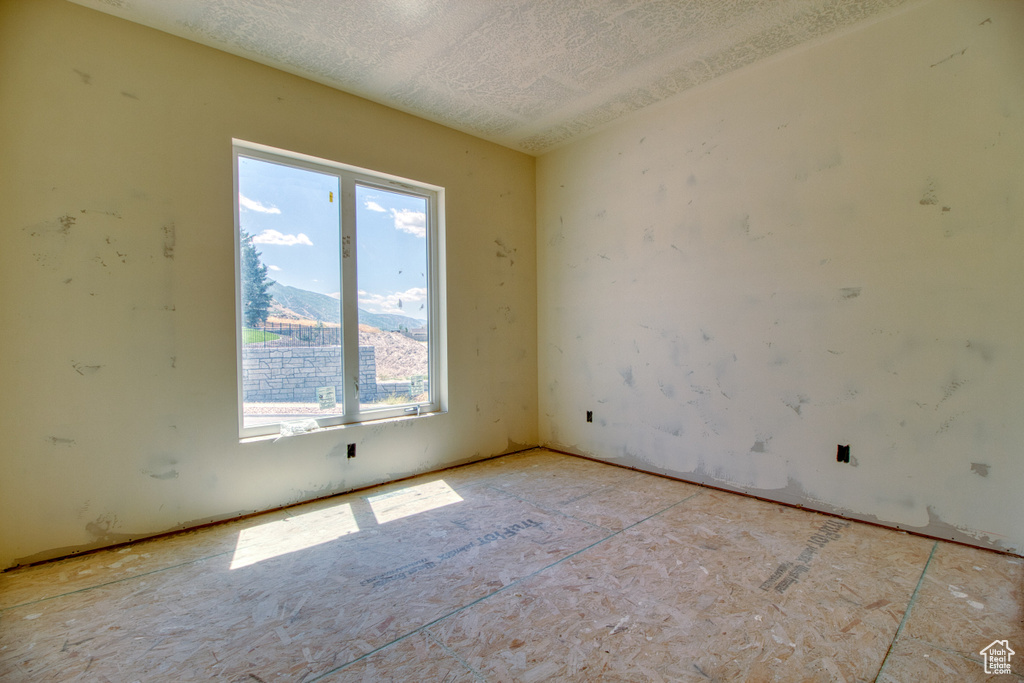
<point>531,567</point>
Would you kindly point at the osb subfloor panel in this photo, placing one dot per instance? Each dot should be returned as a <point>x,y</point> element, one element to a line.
<point>532,567</point>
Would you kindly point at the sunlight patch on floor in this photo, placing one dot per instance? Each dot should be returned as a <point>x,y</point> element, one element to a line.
<point>293,534</point>
<point>412,500</point>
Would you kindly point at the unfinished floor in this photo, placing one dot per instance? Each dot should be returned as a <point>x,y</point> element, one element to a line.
<point>531,567</point>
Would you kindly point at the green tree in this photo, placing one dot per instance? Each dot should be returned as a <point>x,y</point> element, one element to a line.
<point>255,298</point>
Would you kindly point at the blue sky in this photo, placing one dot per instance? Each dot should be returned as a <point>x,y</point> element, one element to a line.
<point>294,217</point>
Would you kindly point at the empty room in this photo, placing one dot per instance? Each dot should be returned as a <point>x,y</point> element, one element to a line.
<point>522,340</point>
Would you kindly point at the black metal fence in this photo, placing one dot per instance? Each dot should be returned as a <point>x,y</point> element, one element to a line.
<point>288,334</point>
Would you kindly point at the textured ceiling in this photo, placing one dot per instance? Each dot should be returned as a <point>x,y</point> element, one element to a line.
<point>528,74</point>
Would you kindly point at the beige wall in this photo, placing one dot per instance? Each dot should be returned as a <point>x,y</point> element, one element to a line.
<point>117,377</point>
<point>822,249</point>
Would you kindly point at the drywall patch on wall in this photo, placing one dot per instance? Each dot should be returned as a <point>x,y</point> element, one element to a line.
<point>506,252</point>
<point>84,369</point>
<point>170,238</point>
<point>102,529</point>
<point>162,468</point>
<point>849,292</point>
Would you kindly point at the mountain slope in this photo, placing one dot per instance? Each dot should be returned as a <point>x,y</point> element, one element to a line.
<point>306,305</point>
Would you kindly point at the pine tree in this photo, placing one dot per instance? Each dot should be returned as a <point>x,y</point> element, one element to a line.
<point>255,298</point>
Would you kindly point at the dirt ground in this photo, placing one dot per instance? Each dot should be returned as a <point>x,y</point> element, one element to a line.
<point>398,357</point>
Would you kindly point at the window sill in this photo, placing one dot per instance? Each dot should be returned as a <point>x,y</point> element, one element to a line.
<point>350,425</point>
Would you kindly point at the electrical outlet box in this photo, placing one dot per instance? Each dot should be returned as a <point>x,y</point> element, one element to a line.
<point>590,416</point>
<point>843,453</point>
<point>351,450</point>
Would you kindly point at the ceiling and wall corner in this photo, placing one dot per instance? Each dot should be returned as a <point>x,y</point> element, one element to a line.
<point>528,74</point>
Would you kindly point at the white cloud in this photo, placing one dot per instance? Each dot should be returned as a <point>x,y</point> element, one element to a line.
<point>374,206</point>
<point>413,302</point>
<point>254,205</point>
<point>412,222</point>
<point>274,267</point>
<point>335,295</point>
<point>275,237</point>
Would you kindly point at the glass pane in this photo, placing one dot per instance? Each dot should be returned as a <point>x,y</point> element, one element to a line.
<point>391,253</point>
<point>291,293</point>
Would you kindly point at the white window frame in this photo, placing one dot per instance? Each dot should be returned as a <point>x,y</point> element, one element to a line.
<point>350,176</point>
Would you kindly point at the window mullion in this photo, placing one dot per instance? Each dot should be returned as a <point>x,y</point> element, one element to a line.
<point>349,298</point>
<point>433,309</point>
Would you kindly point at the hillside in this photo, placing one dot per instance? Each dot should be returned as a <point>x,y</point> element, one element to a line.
<point>301,305</point>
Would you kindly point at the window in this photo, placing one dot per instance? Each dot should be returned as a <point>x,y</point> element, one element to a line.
<point>338,290</point>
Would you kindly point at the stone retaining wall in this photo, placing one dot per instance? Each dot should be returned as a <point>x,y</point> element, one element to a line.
<point>292,374</point>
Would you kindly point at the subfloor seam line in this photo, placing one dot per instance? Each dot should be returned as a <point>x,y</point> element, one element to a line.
<point>550,510</point>
<point>111,583</point>
<point>599,489</point>
<point>906,614</point>
<point>556,511</point>
<point>500,590</point>
<point>454,655</point>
